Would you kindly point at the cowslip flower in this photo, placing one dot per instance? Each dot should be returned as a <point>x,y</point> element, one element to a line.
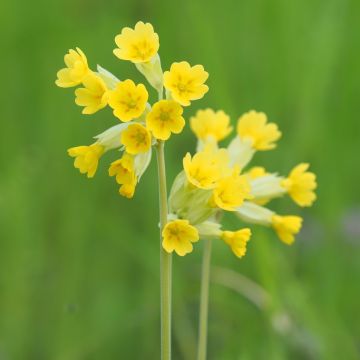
<point>136,139</point>
<point>231,191</point>
<point>140,46</point>
<point>165,118</point>
<point>128,100</point>
<point>93,96</point>
<point>137,45</point>
<point>253,125</point>
<point>300,185</point>
<point>206,167</point>
<point>124,172</point>
<point>237,240</point>
<point>254,134</point>
<point>186,83</point>
<point>286,227</point>
<point>178,236</point>
<point>87,158</point>
<point>76,69</point>
<point>209,125</point>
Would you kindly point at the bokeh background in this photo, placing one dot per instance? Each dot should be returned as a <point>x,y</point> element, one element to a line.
<point>79,264</point>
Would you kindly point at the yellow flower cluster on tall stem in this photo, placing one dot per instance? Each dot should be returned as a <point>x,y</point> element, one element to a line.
<point>142,126</point>
<point>213,180</point>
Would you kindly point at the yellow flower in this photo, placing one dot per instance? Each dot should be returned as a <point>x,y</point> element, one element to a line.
<point>136,139</point>
<point>75,71</point>
<point>124,171</point>
<point>286,227</point>
<point>179,235</point>
<point>253,125</point>
<point>231,191</point>
<point>237,240</point>
<point>186,83</point>
<point>208,123</point>
<point>128,100</point>
<point>206,167</point>
<point>300,185</point>
<point>165,118</point>
<point>137,45</point>
<point>87,158</point>
<point>93,96</point>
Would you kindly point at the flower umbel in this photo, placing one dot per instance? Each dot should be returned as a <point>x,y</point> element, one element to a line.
<point>137,45</point>
<point>93,96</point>
<point>87,158</point>
<point>128,100</point>
<point>178,236</point>
<point>75,71</point>
<point>165,118</point>
<point>185,82</point>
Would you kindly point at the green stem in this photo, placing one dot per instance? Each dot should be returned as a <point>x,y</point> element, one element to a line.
<point>165,260</point>
<point>204,300</point>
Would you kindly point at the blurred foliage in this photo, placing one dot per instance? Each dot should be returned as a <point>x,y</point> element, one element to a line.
<point>79,264</point>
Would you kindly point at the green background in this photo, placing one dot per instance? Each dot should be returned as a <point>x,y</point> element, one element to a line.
<point>79,264</point>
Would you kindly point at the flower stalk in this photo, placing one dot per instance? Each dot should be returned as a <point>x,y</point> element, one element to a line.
<point>165,260</point>
<point>204,301</point>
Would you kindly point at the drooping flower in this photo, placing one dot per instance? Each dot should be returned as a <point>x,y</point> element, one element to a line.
<point>178,235</point>
<point>87,158</point>
<point>253,125</point>
<point>128,100</point>
<point>165,118</point>
<point>237,240</point>
<point>185,82</point>
<point>300,184</point>
<point>210,124</point>
<point>93,96</point>
<point>206,167</point>
<point>136,139</point>
<point>137,45</point>
<point>123,170</point>
<point>76,69</point>
<point>286,227</point>
<point>231,191</point>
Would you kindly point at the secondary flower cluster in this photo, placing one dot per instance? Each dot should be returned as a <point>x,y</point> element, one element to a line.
<point>142,124</point>
<point>212,181</point>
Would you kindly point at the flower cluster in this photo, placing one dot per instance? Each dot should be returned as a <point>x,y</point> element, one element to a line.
<point>213,181</point>
<point>141,125</point>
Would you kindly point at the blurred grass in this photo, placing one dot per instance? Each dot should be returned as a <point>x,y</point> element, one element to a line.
<point>79,264</point>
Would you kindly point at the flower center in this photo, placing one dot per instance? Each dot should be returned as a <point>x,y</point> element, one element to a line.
<point>132,103</point>
<point>181,87</point>
<point>164,116</point>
